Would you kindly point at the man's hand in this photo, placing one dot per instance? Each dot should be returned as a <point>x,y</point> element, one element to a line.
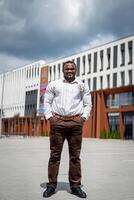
<point>51,119</point>
<point>83,119</point>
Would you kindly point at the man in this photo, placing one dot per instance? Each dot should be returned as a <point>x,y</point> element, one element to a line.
<point>67,105</point>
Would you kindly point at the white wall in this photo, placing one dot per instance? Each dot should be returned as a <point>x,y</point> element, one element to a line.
<point>17,82</point>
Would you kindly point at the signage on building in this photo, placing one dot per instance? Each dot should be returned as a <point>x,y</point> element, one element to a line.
<point>43,85</point>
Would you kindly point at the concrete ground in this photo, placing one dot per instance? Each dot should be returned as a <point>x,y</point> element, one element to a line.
<point>107,168</point>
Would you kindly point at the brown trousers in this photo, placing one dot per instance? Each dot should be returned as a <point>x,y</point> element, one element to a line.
<point>71,130</point>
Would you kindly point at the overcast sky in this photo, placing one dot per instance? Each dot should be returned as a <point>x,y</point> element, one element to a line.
<point>31,30</point>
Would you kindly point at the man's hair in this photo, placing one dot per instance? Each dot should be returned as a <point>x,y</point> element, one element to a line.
<point>69,61</point>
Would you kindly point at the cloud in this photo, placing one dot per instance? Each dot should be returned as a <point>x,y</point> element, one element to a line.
<point>15,62</point>
<point>99,40</point>
<point>34,30</point>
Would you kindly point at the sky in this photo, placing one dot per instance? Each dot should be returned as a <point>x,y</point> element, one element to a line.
<point>32,30</point>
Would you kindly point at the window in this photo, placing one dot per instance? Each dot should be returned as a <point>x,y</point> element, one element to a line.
<point>78,66</point>
<point>122,48</point>
<point>35,70</point>
<point>130,77</point>
<point>122,78</point>
<point>32,71</point>
<point>54,71</point>
<point>130,51</point>
<point>114,79</point>
<point>50,72</point>
<point>38,70</point>
<point>126,98</point>
<point>101,60</point>
<point>95,62</point>
<point>94,83</point>
<point>58,70</point>
<point>108,57</point>
<point>101,82</point>
<point>115,55</point>
<point>113,121</point>
<point>108,81</point>
<point>83,59</point>
<point>89,83</point>
<point>112,100</point>
<point>89,63</point>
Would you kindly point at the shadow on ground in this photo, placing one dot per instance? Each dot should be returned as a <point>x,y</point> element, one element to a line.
<point>60,186</point>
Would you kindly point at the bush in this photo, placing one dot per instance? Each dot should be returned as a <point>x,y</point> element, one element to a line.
<point>109,134</point>
<point>46,134</point>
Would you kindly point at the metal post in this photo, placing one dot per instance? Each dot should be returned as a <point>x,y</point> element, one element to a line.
<point>1,113</point>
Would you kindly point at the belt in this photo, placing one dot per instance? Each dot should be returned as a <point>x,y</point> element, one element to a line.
<point>66,117</point>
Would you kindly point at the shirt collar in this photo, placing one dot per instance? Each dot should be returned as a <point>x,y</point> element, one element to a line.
<point>74,81</point>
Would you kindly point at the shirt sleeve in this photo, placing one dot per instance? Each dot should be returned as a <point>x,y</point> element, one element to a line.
<point>48,99</point>
<point>87,104</point>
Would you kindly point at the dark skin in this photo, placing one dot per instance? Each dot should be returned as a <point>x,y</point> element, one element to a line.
<point>69,72</point>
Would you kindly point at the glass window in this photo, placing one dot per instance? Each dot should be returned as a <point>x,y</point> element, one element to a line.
<point>89,63</point>
<point>108,80</point>
<point>58,70</point>
<point>115,56</point>
<point>126,98</point>
<point>113,121</point>
<point>95,62</point>
<point>122,49</point>
<point>101,60</point>
<point>116,100</point>
<point>54,71</point>
<point>112,100</point>
<point>32,71</point>
<point>38,70</point>
<point>101,82</point>
<point>130,52</point>
<point>114,79</point>
<point>108,57</point>
<point>83,60</point>
<point>89,83</point>
<point>94,83</point>
<point>50,73</point>
<point>130,77</point>
<point>78,66</point>
<point>122,78</point>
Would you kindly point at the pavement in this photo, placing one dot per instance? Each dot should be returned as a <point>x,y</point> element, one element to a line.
<point>107,169</point>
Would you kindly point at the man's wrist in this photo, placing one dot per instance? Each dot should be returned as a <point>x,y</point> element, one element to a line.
<point>84,118</point>
<point>50,118</point>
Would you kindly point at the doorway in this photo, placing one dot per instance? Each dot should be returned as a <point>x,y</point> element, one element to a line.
<point>129,125</point>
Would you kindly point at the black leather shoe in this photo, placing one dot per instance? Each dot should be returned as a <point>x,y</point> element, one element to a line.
<point>49,191</point>
<point>78,192</point>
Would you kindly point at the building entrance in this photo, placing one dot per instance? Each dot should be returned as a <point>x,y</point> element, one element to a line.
<point>129,125</point>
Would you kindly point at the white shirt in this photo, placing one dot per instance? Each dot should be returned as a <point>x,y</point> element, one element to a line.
<point>67,99</point>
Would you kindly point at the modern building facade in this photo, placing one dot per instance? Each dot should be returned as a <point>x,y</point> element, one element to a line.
<point>20,91</point>
<point>107,69</point>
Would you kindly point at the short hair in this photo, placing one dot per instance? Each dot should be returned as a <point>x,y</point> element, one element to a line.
<point>69,61</point>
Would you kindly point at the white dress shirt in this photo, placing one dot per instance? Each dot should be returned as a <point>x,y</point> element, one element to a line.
<point>67,99</point>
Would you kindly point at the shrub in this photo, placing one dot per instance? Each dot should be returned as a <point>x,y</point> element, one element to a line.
<point>109,134</point>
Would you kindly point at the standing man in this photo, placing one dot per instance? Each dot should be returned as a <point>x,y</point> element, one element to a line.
<point>67,105</point>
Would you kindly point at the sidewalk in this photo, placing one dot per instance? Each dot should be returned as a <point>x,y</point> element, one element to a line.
<point>107,167</point>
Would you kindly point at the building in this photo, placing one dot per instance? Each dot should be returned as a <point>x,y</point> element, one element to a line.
<point>109,72</point>
<point>19,85</point>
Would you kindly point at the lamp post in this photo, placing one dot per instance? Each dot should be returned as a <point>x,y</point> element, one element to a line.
<point>1,113</point>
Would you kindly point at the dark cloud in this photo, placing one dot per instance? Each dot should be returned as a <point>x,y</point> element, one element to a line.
<point>32,29</point>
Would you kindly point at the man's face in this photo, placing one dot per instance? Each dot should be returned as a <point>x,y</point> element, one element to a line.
<point>69,71</point>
